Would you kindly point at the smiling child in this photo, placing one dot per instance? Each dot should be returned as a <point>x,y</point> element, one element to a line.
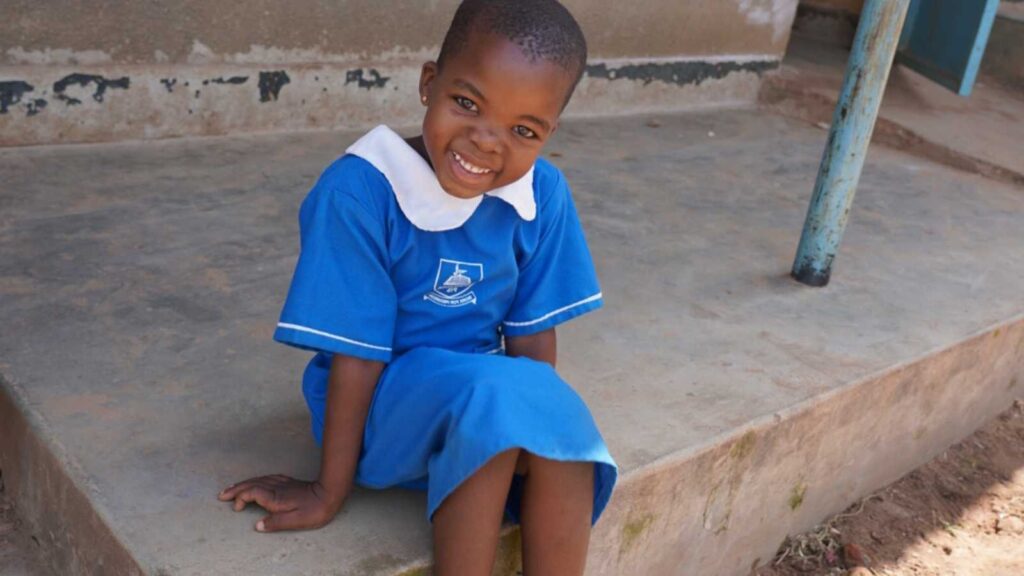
<point>431,277</point>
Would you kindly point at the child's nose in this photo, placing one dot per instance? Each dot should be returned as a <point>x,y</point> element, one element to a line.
<point>485,138</point>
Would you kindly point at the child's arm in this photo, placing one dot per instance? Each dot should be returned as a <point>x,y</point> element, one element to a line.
<point>296,504</point>
<point>541,346</point>
<point>352,382</point>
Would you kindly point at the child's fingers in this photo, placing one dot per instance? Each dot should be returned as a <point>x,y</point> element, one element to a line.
<point>290,520</point>
<point>257,494</point>
<point>230,492</point>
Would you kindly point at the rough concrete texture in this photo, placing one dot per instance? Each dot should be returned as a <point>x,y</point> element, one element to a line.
<point>125,70</point>
<point>1012,9</point>
<point>19,554</point>
<point>168,101</point>
<point>1007,8</point>
<point>75,538</point>
<point>835,21</point>
<point>836,24</point>
<point>1004,56</point>
<point>47,105</point>
<point>140,285</point>
<point>57,32</point>
<point>981,133</point>
<point>851,6</point>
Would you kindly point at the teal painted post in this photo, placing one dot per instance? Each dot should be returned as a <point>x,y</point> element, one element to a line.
<point>852,124</point>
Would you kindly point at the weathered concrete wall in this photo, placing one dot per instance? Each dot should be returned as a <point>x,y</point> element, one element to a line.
<point>833,21</point>
<point>721,511</point>
<point>113,70</point>
<point>40,481</point>
<point>852,6</point>
<point>262,31</point>
<point>1004,56</point>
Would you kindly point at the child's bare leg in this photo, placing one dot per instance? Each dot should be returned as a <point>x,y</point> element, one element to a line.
<point>558,500</point>
<point>466,524</point>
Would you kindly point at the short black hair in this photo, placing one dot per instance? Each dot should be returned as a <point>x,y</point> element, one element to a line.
<point>544,29</point>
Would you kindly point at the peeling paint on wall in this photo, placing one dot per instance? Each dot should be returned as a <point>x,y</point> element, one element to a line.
<point>679,73</point>
<point>270,84</point>
<point>232,80</point>
<point>35,107</point>
<point>201,54</point>
<point>208,100</point>
<point>11,93</point>
<point>60,86</point>
<point>775,13</point>
<point>359,77</point>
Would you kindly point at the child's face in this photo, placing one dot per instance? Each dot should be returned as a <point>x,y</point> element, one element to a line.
<point>489,112</point>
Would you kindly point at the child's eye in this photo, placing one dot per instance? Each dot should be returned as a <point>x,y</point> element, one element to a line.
<point>524,131</point>
<point>465,103</point>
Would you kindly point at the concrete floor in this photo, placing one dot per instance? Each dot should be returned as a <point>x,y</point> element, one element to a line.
<point>981,133</point>
<point>140,284</point>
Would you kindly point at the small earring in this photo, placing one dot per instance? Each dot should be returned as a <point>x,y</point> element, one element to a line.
<point>423,99</point>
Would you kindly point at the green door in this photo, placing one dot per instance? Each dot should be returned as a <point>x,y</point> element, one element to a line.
<point>945,40</point>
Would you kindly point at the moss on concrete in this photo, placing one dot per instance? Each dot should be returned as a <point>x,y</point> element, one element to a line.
<point>796,496</point>
<point>633,530</point>
<point>744,446</point>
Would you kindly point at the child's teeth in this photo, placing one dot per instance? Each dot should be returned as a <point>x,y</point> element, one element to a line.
<point>469,166</point>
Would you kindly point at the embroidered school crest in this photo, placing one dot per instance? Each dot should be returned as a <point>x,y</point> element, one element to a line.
<point>454,283</point>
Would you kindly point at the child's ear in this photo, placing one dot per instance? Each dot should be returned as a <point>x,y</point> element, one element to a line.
<point>427,75</point>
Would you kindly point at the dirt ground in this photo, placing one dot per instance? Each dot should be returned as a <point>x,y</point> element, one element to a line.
<point>960,514</point>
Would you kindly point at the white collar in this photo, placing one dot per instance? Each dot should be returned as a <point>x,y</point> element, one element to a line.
<point>417,190</point>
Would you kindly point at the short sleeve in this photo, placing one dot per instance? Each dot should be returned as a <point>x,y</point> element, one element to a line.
<point>557,281</point>
<point>341,298</point>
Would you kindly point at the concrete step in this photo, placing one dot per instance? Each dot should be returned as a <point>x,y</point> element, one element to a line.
<point>19,554</point>
<point>140,285</point>
<point>980,134</point>
<point>1004,56</point>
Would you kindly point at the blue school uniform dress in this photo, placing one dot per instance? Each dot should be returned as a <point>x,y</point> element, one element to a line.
<point>394,269</point>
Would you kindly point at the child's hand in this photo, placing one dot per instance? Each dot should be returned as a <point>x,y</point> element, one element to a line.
<point>293,504</point>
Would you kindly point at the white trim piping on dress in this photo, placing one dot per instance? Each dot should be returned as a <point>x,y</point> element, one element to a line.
<point>333,336</point>
<point>555,312</point>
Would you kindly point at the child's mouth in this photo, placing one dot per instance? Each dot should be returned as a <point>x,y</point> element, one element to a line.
<point>466,171</point>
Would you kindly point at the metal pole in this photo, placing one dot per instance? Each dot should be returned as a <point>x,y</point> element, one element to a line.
<point>852,124</point>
